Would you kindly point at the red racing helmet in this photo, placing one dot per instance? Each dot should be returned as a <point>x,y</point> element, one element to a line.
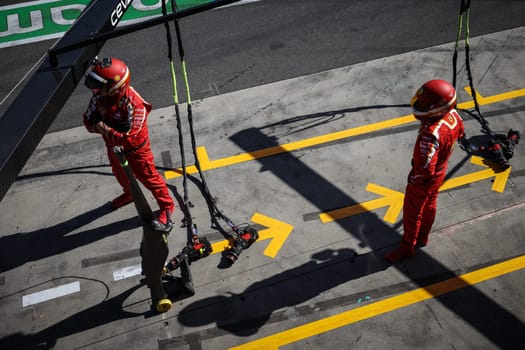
<point>110,74</point>
<point>433,99</point>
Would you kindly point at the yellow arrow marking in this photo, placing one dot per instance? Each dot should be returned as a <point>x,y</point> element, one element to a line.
<point>394,199</point>
<point>491,99</point>
<point>274,341</point>
<point>500,178</point>
<point>276,230</point>
<point>207,164</point>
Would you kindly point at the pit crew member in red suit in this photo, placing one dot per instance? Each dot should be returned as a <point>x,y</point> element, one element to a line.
<point>119,114</point>
<point>441,126</point>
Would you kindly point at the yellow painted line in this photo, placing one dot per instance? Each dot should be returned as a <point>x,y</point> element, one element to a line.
<point>491,99</point>
<point>273,342</point>
<point>221,246</point>
<point>276,231</point>
<point>207,164</point>
<point>500,178</point>
<point>394,199</point>
<point>390,198</point>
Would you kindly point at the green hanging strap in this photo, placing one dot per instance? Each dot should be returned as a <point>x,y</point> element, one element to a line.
<point>464,16</point>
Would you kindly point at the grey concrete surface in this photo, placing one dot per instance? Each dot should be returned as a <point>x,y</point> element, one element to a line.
<point>56,228</point>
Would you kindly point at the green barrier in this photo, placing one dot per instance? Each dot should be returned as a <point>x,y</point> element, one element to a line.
<point>42,20</point>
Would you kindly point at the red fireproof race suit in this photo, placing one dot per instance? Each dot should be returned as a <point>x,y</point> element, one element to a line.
<point>432,151</point>
<point>126,117</point>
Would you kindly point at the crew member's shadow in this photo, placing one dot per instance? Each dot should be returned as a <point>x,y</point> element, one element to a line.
<point>106,312</point>
<point>245,313</point>
<point>20,248</point>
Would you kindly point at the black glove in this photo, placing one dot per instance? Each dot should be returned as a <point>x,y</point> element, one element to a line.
<point>95,118</point>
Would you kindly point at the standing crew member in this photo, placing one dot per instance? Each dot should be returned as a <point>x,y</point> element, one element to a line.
<point>441,126</point>
<point>119,114</point>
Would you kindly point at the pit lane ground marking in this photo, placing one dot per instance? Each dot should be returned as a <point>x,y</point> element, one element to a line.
<point>277,231</point>
<point>207,164</point>
<point>127,272</point>
<point>273,342</point>
<point>51,293</point>
<point>394,199</point>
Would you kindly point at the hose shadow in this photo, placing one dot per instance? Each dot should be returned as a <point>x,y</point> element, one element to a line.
<point>75,170</point>
<point>308,121</point>
<point>106,312</point>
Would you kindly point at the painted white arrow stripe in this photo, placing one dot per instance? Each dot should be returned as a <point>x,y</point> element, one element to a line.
<point>127,272</point>
<point>51,293</point>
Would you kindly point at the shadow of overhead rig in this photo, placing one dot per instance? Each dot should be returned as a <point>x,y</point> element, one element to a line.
<point>496,323</point>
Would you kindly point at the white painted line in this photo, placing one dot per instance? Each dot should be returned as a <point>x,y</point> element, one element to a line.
<point>26,4</point>
<point>126,272</point>
<point>52,293</point>
<point>242,2</point>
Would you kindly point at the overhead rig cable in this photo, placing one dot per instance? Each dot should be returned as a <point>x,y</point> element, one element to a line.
<point>500,148</point>
<point>196,247</point>
<point>245,234</point>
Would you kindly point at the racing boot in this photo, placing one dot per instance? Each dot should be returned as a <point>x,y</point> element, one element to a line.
<point>422,240</point>
<point>404,251</point>
<point>163,221</point>
<point>122,200</point>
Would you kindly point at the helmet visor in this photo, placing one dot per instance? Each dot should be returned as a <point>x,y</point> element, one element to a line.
<point>94,81</point>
